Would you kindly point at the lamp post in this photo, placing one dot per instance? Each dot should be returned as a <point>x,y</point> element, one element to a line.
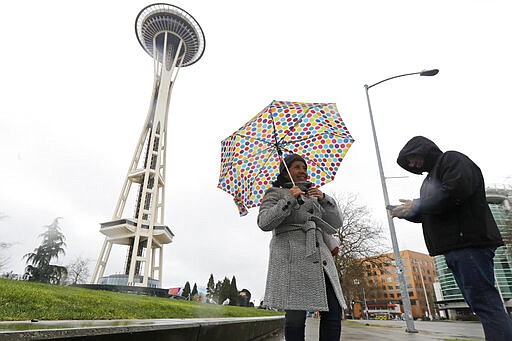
<point>356,282</point>
<point>403,284</point>
<point>419,263</point>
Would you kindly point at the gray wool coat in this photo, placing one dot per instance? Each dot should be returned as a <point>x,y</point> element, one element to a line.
<point>299,255</point>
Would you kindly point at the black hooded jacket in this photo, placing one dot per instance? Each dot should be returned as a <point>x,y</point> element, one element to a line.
<point>452,206</point>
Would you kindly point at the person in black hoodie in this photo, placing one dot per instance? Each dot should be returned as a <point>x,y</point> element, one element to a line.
<point>457,223</point>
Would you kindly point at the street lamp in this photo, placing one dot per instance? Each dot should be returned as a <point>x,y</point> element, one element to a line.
<point>403,284</point>
<point>356,282</point>
<point>419,263</point>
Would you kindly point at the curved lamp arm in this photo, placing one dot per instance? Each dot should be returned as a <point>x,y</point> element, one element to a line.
<point>432,72</point>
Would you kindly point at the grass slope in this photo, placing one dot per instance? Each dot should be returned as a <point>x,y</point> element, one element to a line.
<point>20,300</point>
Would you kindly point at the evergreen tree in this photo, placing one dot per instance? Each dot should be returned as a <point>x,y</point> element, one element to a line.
<point>52,246</point>
<point>224,290</point>
<point>3,246</point>
<point>194,291</point>
<point>210,288</point>
<point>216,292</point>
<point>4,260</point>
<point>186,291</point>
<point>233,292</point>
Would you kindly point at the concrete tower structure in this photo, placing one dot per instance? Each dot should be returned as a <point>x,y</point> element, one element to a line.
<point>174,39</point>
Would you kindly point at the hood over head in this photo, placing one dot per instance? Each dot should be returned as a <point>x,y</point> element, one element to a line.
<point>423,147</point>
<point>283,177</point>
<point>289,159</point>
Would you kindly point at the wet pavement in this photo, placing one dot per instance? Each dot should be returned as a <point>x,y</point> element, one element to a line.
<point>62,324</point>
<point>395,330</point>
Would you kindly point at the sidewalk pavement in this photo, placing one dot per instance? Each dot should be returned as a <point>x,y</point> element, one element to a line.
<point>395,330</point>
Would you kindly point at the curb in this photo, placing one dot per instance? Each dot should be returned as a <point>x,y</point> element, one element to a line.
<point>225,329</point>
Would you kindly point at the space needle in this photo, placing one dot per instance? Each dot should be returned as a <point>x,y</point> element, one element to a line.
<point>174,39</point>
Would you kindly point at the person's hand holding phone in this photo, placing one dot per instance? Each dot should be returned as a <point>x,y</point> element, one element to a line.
<point>401,211</point>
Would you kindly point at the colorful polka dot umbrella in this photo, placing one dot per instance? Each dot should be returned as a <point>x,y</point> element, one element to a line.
<point>250,157</point>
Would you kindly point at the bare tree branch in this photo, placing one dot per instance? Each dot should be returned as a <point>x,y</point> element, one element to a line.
<point>361,241</point>
<point>78,271</point>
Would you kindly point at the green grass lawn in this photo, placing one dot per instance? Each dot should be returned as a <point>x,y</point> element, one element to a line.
<point>20,300</point>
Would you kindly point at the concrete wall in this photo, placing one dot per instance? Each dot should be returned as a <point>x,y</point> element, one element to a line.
<point>221,329</point>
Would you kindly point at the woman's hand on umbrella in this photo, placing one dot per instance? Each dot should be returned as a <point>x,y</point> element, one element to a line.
<point>315,192</point>
<point>296,192</point>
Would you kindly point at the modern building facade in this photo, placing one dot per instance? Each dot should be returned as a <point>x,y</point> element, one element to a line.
<point>449,298</point>
<point>383,295</point>
<point>173,39</point>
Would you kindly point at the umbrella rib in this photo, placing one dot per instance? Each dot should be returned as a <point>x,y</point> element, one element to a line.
<point>312,161</point>
<point>253,179</point>
<point>329,130</point>
<point>278,149</point>
<point>312,136</point>
<point>296,122</point>
<point>268,145</point>
<point>318,166</point>
<point>245,159</point>
<point>251,137</point>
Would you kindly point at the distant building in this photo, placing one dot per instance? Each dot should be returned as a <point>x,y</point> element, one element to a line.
<point>449,298</point>
<point>384,297</point>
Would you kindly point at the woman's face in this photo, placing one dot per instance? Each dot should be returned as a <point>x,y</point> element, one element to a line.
<point>298,171</point>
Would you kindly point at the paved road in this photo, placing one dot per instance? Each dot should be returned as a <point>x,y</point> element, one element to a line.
<point>395,330</point>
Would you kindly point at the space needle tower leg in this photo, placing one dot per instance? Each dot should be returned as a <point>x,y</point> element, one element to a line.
<point>154,170</point>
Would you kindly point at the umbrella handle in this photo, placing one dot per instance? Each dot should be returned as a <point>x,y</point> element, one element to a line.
<point>300,200</point>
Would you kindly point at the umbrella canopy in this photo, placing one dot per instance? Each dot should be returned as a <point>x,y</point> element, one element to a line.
<point>250,157</point>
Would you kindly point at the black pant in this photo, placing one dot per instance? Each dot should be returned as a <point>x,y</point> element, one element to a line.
<point>473,270</point>
<point>330,321</point>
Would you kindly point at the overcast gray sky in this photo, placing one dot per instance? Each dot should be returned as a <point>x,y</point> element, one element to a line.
<point>75,87</point>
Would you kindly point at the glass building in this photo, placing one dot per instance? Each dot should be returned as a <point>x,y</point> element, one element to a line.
<point>449,298</point>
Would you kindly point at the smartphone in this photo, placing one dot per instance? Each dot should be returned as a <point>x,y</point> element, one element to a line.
<point>391,207</point>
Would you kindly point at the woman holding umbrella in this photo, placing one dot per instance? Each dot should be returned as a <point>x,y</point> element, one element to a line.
<point>301,274</point>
